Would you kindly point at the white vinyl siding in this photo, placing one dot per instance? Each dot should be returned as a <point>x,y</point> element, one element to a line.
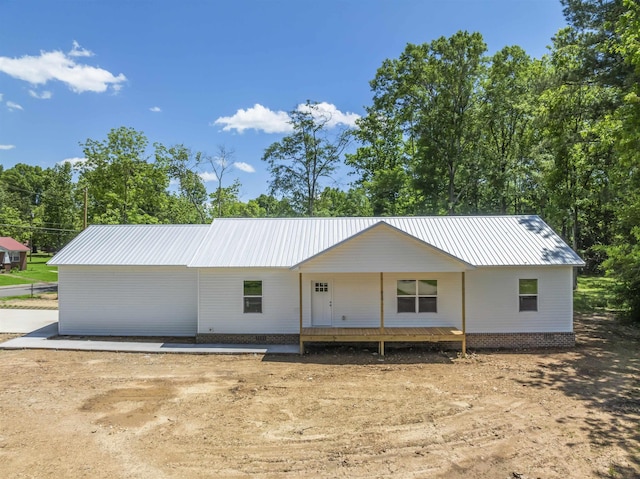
<point>127,300</point>
<point>356,300</point>
<point>382,249</point>
<point>221,293</point>
<point>449,301</point>
<point>493,300</point>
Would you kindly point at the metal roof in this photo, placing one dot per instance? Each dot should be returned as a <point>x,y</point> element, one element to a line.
<point>9,244</point>
<point>148,245</point>
<point>477,240</point>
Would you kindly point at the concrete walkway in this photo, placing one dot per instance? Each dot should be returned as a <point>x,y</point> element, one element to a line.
<point>39,338</point>
<point>22,321</point>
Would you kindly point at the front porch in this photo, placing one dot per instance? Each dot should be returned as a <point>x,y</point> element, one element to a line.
<point>382,335</point>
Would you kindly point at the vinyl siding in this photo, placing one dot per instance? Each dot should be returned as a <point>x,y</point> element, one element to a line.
<point>127,300</point>
<point>382,249</point>
<point>492,300</point>
<point>449,302</point>
<point>221,301</point>
<point>357,298</point>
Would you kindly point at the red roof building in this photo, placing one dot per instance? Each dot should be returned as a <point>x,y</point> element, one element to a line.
<point>13,254</point>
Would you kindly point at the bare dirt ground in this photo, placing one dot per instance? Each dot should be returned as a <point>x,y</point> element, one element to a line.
<point>40,301</point>
<point>336,412</point>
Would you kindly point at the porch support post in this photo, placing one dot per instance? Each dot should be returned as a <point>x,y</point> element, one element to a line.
<point>300,305</point>
<point>381,312</point>
<point>464,318</point>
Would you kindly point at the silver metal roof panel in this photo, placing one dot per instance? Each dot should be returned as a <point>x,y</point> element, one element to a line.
<point>477,240</point>
<point>132,245</point>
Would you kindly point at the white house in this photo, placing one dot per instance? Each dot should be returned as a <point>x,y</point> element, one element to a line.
<point>485,281</point>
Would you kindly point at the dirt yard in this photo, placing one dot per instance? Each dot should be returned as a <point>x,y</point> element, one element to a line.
<point>336,412</point>
<point>40,301</point>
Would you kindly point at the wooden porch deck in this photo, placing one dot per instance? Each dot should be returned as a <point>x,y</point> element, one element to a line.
<point>381,335</point>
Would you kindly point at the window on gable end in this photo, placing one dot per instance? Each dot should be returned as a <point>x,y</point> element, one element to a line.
<point>528,294</point>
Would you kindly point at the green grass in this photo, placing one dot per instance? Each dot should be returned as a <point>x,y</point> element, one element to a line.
<point>37,272</point>
<point>594,293</point>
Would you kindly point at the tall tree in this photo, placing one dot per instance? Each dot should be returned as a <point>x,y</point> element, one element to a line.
<point>506,113</point>
<point>60,212</point>
<point>382,163</point>
<point>220,164</point>
<point>427,99</point>
<point>123,186</point>
<point>623,260</point>
<point>300,161</point>
<point>181,164</point>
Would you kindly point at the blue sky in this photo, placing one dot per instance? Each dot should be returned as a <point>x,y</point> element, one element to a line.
<point>204,73</point>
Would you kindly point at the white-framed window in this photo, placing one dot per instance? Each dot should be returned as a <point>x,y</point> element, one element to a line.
<point>528,294</point>
<point>15,256</point>
<point>417,295</point>
<point>321,287</point>
<point>252,296</point>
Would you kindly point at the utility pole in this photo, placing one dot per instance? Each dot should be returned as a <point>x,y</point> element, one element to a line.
<point>86,197</point>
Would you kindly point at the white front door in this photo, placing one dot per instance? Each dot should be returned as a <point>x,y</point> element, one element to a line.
<point>321,303</point>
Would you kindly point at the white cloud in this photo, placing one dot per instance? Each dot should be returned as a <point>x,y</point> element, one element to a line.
<point>56,65</point>
<point>7,147</point>
<point>45,95</point>
<point>258,118</point>
<point>246,167</point>
<point>263,119</point>
<point>78,51</point>
<point>73,161</point>
<point>14,106</point>
<point>329,112</point>
<point>208,176</point>
<point>155,109</point>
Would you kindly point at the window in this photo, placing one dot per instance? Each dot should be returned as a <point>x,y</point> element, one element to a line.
<point>322,287</point>
<point>253,297</point>
<point>528,292</point>
<point>417,295</point>
<point>15,256</point>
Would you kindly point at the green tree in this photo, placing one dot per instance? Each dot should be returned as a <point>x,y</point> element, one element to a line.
<point>300,161</point>
<point>573,122</point>
<point>425,104</point>
<point>506,113</point>
<point>60,212</point>
<point>181,164</point>
<point>623,260</point>
<point>335,202</point>
<point>382,163</point>
<point>123,186</point>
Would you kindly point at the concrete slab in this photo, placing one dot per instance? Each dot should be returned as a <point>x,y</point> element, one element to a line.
<point>40,339</point>
<point>25,320</point>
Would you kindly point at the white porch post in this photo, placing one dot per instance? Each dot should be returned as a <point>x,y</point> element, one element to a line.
<point>464,319</point>
<point>381,312</point>
<point>300,305</point>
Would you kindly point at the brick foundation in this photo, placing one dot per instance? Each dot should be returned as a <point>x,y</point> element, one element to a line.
<point>248,338</point>
<point>520,340</point>
<point>474,340</point>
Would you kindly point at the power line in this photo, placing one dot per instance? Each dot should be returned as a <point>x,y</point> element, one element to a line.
<point>39,228</point>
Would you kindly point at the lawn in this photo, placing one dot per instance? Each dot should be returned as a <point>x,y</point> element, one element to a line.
<point>594,294</point>
<point>37,272</point>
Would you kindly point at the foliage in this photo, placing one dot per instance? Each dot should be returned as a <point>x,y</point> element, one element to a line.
<point>180,164</point>
<point>594,293</point>
<point>300,161</point>
<point>124,188</point>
